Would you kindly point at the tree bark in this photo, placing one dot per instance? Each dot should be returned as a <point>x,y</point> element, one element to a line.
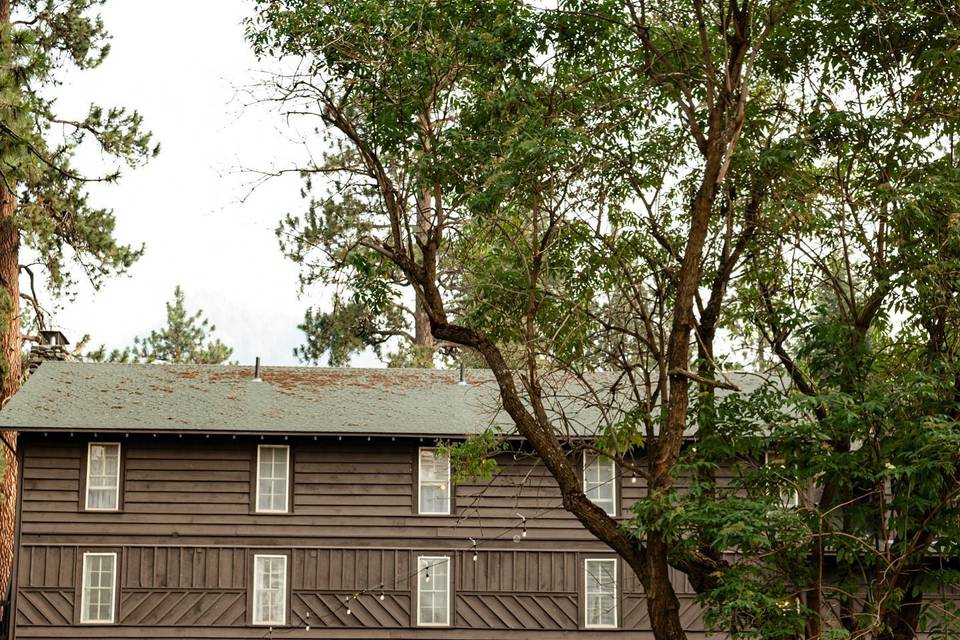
<point>422,334</point>
<point>10,343</point>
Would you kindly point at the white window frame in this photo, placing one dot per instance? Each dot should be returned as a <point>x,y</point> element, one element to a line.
<point>87,487</point>
<point>597,457</point>
<point>430,562</point>
<point>586,599</point>
<point>448,489</point>
<point>258,588</point>
<point>789,498</point>
<point>286,485</point>
<point>83,588</point>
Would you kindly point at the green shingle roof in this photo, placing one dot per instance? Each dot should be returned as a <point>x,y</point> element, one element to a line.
<point>74,396</point>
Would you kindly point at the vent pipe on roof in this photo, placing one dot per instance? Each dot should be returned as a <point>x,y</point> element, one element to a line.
<point>463,377</point>
<point>256,370</point>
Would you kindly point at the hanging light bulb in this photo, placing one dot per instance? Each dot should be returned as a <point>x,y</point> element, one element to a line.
<point>381,597</point>
<point>347,604</point>
<point>428,574</point>
<point>633,479</point>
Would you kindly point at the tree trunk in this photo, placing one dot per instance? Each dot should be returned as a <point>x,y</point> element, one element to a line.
<point>10,342</point>
<point>422,335</point>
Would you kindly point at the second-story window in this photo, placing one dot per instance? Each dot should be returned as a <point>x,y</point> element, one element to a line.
<point>600,593</point>
<point>600,482</point>
<point>434,482</point>
<point>273,478</point>
<point>103,476</point>
<point>789,496</point>
<point>433,591</point>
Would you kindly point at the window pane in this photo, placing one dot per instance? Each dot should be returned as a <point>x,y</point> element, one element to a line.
<point>98,585</point>
<point>433,590</point>
<point>434,472</point>
<point>599,482</point>
<point>103,476</point>
<point>600,591</point>
<point>272,477</point>
<point>269,589</point>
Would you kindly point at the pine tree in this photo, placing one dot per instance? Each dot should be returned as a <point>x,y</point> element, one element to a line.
<point>185,339</point>
<point>45,212</point>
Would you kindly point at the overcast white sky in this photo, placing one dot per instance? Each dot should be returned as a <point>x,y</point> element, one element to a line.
<point>180,62</point>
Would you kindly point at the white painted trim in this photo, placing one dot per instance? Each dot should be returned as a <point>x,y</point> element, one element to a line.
<point>789,499</point>
<point>86,496</point>
<point>286,484</point>
<point>258,586</point>
<point>449,564</point>
<point>614,482</point>
<point>83,589</point>
<point>616,604</point>
<point>420,509</point>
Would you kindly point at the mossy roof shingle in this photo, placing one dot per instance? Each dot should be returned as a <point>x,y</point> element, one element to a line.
<point>74,396</point>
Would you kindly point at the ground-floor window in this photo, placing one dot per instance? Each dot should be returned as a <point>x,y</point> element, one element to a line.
<point>99,588</point>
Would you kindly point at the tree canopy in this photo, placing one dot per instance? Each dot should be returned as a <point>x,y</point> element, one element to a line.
<point>665,191</point>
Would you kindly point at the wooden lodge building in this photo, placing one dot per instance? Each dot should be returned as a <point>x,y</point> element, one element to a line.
<point>168,501</point>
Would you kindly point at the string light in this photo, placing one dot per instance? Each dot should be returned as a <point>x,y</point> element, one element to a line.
<point>426,570</point>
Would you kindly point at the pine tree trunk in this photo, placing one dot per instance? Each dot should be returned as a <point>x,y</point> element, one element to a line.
<point>11,345</point>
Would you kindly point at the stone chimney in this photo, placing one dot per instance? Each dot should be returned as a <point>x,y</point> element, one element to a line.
<point>52,346</point>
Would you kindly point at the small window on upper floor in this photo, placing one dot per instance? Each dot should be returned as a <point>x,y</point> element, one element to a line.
<point>600,481</point>
<point>434,482</point>
<point>789,496</point>
<point>99,588</point>
<point>600,593</point>
<point>103,476</point>
<point>273,478</point>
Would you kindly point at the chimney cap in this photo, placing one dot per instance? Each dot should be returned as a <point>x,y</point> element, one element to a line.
<point>53,337</point>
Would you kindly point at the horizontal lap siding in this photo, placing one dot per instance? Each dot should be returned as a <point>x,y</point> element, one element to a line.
<point>199,491</point>
<point>186,535</point>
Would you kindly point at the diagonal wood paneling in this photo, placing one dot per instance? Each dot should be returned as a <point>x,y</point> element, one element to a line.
<point>556,612</point>
<point>328,610</point>
<point>183,608</point>
<point>45,607</point>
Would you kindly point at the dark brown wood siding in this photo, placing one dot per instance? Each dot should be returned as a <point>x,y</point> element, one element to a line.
<point>186,535</point>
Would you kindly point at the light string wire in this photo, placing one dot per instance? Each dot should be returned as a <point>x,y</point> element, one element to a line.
<point>379,590</point>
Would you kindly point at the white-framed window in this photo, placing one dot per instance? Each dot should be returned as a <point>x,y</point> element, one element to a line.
<point>103,476</point>
<point>273,478</point>
<point>600,481</point>
<point>600,593</point>
<point>433,482</point>
<point>269,589</point>
<point>433,591</point>
<point>789,496</point>
<point>99,588</point>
